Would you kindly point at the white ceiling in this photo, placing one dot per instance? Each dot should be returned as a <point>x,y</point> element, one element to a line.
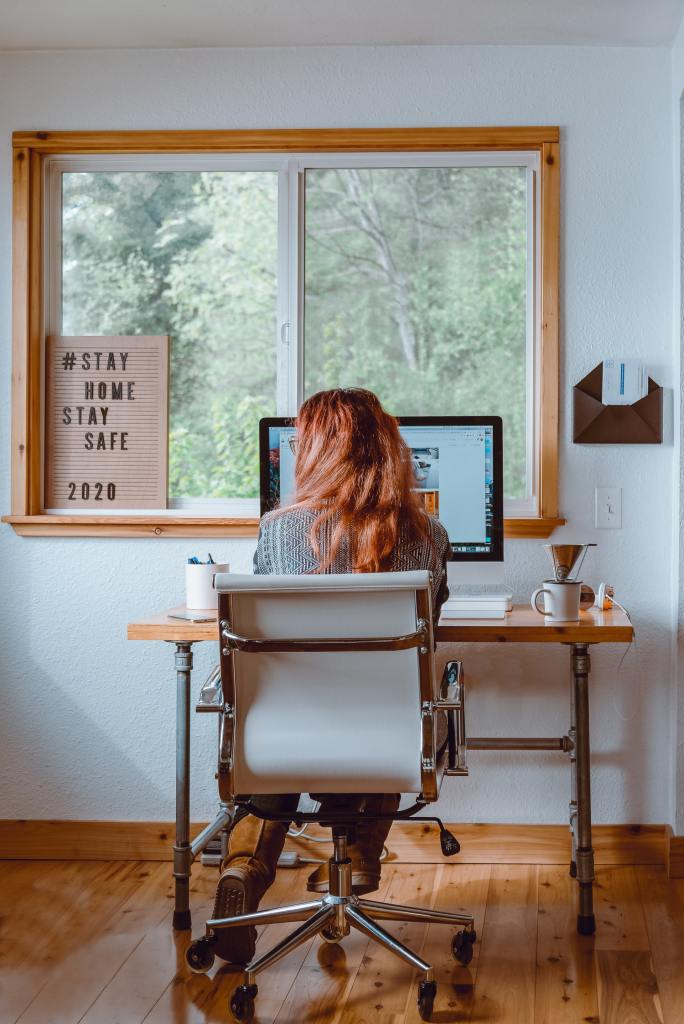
<point>88,24</point>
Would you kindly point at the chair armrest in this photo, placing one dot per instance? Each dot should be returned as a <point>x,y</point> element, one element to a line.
<point>451,686</point>
<point>211,694</point>
<point>452,701</point>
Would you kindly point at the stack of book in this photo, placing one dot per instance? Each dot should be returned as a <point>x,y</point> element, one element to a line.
<point>478,604</point>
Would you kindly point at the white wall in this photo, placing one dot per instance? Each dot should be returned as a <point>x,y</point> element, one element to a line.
<point>678,469</point>
<point>87,719</point>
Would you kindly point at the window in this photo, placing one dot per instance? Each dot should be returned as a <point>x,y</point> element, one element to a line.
<point>418,283</point>
<point>192,255</point>
<point>426,272</point>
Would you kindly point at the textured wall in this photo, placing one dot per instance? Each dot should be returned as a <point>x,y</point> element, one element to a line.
<point>678,477</point>
<point>87,719</point>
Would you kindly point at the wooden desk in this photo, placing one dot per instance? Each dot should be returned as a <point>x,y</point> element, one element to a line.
<point>522,625</point>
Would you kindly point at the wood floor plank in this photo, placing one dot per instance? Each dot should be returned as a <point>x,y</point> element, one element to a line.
<point>620,923</point>
<point>462,888</point>
<point>29,892</point>
<point>119,998</point>
<point>507,961</point>
<point>663,903</point>
<point>32,934</point>
<point>16,876</point>
<point>28,916</point>
<point>566,984</point>
<point>627,988</point>
<point>70,988</point>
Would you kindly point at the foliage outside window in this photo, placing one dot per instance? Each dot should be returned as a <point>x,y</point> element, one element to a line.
<point>416,286</point>
<point>194,256</point>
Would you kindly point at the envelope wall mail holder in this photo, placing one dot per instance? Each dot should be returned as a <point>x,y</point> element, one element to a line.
<point>596,423</point>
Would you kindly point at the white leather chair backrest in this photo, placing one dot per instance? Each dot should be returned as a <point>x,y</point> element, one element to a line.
<point>325,722</point>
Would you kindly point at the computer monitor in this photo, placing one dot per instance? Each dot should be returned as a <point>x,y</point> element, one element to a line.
<point>458,469</point>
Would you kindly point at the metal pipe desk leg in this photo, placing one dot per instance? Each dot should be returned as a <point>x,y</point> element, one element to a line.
<point>182,852</point>
<point>586,922</point>
<point>572,737</point>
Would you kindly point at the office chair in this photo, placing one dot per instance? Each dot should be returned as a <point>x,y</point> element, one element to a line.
<point>328,686</point>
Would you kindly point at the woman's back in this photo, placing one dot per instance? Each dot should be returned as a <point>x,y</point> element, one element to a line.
<point>285,548</point>
<point>354,508</point>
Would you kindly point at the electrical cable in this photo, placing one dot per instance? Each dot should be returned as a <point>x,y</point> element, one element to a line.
<point>300,833</point>
<point>632,645</point>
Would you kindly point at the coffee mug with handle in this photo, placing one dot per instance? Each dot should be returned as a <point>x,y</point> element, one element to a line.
<point>561,601</point>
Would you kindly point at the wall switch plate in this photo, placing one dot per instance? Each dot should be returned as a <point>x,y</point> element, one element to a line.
<point>608,508</point>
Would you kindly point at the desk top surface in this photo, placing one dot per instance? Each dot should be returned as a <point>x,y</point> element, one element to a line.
<point>522,625</point>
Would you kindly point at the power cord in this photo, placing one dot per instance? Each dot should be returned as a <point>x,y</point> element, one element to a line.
<point>293,859</point>
<point>632,645</point>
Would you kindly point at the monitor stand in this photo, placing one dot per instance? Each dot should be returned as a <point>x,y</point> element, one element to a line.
<point>479,573</point>
<point>477,591</point>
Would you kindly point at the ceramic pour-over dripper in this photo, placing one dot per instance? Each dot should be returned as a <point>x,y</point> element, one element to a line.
<point>567,560</point>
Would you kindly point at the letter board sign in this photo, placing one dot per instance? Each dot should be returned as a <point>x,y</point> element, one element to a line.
<point>106,422</point>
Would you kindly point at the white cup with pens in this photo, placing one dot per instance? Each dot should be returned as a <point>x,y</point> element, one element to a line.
<point>199,582</point>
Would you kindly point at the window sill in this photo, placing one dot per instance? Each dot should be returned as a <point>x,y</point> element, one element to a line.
<point>195,526</point>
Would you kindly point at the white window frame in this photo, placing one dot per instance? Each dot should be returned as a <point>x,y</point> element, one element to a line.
<point>291,169</point>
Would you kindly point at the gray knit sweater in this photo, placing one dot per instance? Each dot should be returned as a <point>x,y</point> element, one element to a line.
<point>284,548</point>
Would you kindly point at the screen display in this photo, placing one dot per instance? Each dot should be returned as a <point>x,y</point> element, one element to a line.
<point>456,468</point>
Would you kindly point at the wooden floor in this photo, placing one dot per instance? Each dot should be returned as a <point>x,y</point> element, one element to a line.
<point>92,942</point>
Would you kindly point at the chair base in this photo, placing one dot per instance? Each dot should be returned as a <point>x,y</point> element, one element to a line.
<point>333,917</point>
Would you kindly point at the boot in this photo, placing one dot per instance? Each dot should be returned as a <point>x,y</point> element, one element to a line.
<point>365,853</point>
<point>248,870</point>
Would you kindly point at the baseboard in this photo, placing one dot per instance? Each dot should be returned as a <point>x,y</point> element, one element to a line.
<point>408,843</point>
<point>522,844</point>
<point>675,854</point>
<point>38,839</point>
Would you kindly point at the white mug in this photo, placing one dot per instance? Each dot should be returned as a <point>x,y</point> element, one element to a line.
<point>561,600</point>
<point>199,584</point>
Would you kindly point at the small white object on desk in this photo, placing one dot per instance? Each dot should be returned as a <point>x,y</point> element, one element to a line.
<point>561,600</point>
<point>199,584</point>
<point>449,614</point>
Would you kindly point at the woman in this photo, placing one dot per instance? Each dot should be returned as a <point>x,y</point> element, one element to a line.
<point>355,509</point>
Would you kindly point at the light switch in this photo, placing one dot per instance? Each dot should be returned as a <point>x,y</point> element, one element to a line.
<point>609,508</point>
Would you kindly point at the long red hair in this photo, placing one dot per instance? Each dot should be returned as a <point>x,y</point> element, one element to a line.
<point>353,467</point>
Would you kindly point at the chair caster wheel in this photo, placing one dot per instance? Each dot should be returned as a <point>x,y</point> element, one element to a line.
<point>242,1002</point>
<point>331,935</point>
<point>462,946</point>
<point>199,956</point>
<point>427,990</point>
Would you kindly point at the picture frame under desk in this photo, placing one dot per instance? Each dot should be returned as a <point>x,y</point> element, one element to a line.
<point>521,625</point>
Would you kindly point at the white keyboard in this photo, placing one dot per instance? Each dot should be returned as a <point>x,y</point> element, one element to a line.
<point>491,591</point>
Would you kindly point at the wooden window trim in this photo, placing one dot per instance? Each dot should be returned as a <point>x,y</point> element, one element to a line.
<point>29,151</point>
